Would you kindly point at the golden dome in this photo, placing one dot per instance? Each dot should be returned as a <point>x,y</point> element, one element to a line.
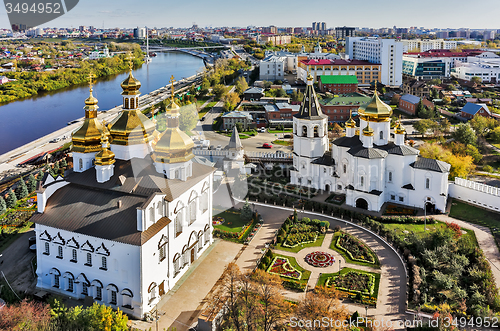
<point>87,138</point>
<point>173,146</point>
<point>367,131</point>
<point>130,85</point>
<point>172,105</point>
<point>350,122</point>
<point>399,129</point>
<point>105,156</point>
<point>131,127</point>
<point>376,110</point>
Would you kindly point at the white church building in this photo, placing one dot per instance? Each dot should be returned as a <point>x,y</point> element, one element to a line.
<point>371,165</point>
<point>126,224</point>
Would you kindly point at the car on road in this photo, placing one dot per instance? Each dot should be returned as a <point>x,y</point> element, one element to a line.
<point>55,140</point>
<point>203,118</point>
<point>267,145</point>
<point>218,148</point>
<point>287,136</point>
<point>262,130</point>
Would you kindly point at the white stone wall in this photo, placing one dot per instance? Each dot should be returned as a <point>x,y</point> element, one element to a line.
<point>475,193</point>
<point>122,266</point>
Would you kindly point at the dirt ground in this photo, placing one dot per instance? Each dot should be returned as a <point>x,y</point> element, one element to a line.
<point>15,263</point>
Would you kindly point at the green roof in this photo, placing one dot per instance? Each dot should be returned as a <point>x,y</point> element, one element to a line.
<point>338,79</point>
<point>350,99</point>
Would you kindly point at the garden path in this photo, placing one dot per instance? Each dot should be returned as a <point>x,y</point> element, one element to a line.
<point>317,271</point>
<point>391,302</point>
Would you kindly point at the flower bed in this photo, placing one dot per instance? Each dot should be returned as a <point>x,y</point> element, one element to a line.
<point>353,282</point>
<point>282,267</point>
<point>218,221</point>
<point>398,210</point>
<point>320,259</point>
<point>356,250</point>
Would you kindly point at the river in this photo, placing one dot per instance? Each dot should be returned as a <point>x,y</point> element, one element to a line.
<point>29,119</point>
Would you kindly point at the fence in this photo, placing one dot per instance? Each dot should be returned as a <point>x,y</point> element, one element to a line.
<point>475,193</point>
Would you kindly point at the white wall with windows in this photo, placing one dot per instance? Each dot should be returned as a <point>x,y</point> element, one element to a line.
<point>78,265</point>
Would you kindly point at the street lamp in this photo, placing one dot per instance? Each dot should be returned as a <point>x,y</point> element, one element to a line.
<point>366,310</point>
<point>340,261</point>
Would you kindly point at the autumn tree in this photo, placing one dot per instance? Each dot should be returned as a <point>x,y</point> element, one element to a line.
<point>444,126</point>
<point>241,85</point>
<point>320,304</point>
<point>461,165</point>
<point>483,125</point>
<point>425,125</point>
<point>232,305</point>
<point>230,100</point>
<point>25,316</point>
<point>219,90</point>
<point>495,135</point>
<point>272,304</point>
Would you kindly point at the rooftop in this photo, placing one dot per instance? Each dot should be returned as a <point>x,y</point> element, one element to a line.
<point>346,99</point>
<point>338,79</point>
<point>336,62</point>
<point>410,98</point>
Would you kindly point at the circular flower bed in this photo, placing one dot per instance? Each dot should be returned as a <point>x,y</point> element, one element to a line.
<point>320,259</point>
<point>218,221</point>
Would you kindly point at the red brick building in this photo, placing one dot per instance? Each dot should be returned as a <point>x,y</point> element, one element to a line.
<point>408,103</point>
<point>475,109</point>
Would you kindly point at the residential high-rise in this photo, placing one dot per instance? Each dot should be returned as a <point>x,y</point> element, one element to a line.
<point>387,52</point>
<point>344,32</point>
<point>319,26</point>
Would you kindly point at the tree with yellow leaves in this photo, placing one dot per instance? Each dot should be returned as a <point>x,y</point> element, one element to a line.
<point>461,165</point>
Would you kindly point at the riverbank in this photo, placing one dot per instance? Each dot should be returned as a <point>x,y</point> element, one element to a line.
<point>30,83</point>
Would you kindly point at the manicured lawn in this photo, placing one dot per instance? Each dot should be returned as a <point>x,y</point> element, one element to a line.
<point>232,222</point>
<point>280,131</point>
<point>476,215</point>
<point>348,259</point>
<point>417,228</point>
<point>297,248</point>
<point>305,273</point>
<point>283,142</point>
<point>323,277</point>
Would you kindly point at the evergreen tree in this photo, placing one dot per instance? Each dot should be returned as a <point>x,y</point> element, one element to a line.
<point>11,199</point>
<point>40,175</point>
<point>21,189</point>
<point>246,212</point>
<point>64,163</point>
<point>295,216</point>
<point>56,167</point>
<point>3,205</point>
<point>420,108</point>
<point>31,185</point>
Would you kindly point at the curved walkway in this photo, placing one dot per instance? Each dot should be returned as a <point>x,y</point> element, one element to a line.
<point>391,302</point>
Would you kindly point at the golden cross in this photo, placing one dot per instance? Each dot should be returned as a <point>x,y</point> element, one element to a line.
<point>130,58</point>
<point>375,86</point>
<point>91,77</point>
<point>172,80</point>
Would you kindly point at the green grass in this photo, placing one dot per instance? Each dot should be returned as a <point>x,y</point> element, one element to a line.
<point>476,215</point>
<point>283,142</point>
<point>317,243</point>
<point>280,131</point>
<point>305,273</point>
<point>323,277</point>
<point>232,222</point>
<point>417,228</point>
<point>348,259</point>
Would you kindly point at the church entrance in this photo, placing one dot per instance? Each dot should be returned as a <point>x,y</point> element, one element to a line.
<point>430,208</point>
<point>192,255</point>
<point>362,204</point>
<point>327,188</point>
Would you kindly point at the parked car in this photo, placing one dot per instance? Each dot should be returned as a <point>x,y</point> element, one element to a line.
<point>203,118</point>
<point>287,136</point>
<point>262,130</point>
<point>218,148</point>
<point>266,145</point>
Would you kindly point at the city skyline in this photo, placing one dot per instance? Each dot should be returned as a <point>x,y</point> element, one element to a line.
<point>388,13</point>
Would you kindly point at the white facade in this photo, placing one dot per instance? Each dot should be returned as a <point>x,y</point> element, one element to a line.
<point>272,68</point>
<point>475,193</point>
<point>488,69</point>
<point>422,45</point>
<point>99,54</point>
<point>387,52</point>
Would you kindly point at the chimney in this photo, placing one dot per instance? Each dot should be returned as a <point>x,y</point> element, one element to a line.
<point>119,204</point>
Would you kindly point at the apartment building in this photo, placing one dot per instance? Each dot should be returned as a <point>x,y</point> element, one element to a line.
<point>271,68</point>
<point>387,52</point>
<point>365,72</point>
<point>422,45</point>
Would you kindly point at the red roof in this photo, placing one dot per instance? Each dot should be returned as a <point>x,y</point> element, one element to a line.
<point>447,53</point>
<point>337,62</point>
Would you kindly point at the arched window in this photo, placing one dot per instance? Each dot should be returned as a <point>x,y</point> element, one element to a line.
<point>89,260</point>
<point>74,255</point>
<point>159,209</point>
<point>390,176</point>
<point>80,164</point>
<point>192,207</point>
<point>70,282</point>
<point>151,214</point>
<point>97,286</point>
<point>178,221</point>
<point>345,168</point>
<point>47,249</point>
<point>304,131</point>
<point>200,240</point>
<point>204,201</point>
<point>381,134</point>
<point>127,296</point>
<point>59,252</point>
<point>162,248</point>
<point>177,266</point>
<point>112,293</point>
<point>104,263</point>
<point>57,274</point>
<point>206,234</point>
<point>427,183</point>
<point>316,133</point>
<point>362,181</point>
<point>126,103</point>
<point>132,103</point>
<point>152,291</point>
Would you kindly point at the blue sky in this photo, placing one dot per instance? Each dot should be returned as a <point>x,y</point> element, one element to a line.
<point>360,13</point>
